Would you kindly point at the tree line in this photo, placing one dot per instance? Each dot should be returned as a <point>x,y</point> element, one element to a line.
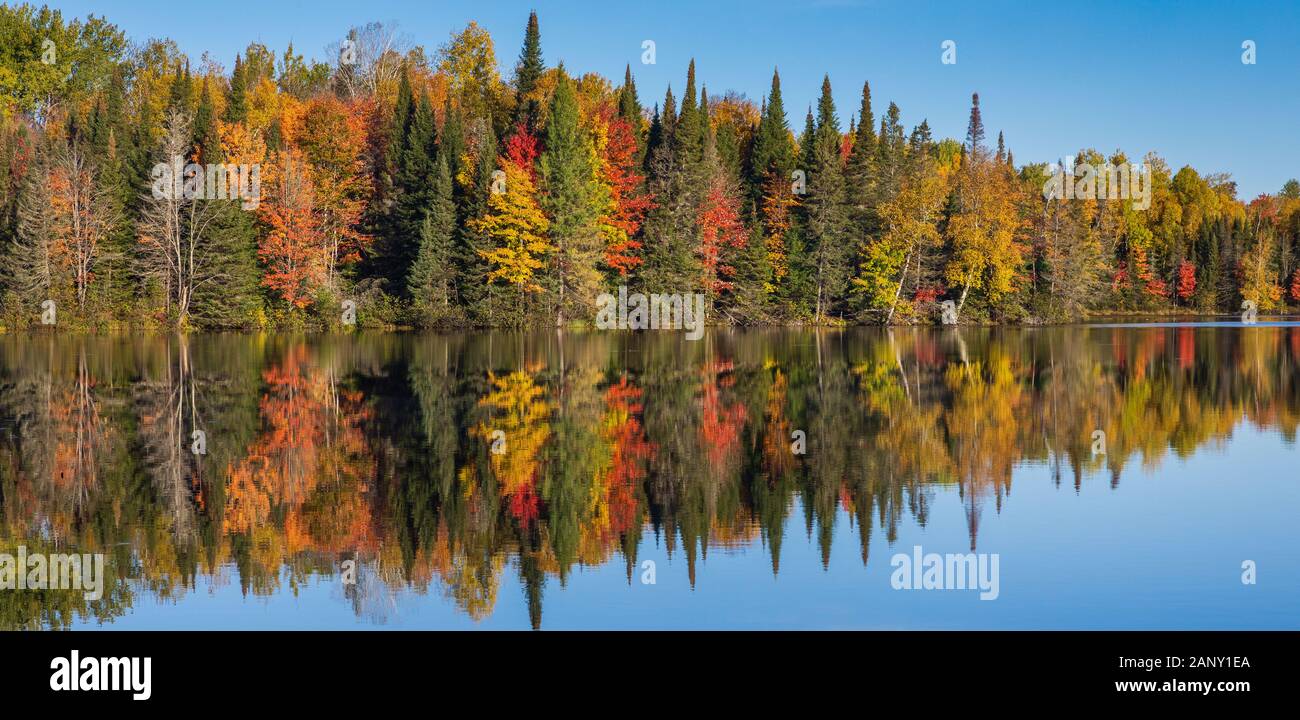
<point>431,192</point>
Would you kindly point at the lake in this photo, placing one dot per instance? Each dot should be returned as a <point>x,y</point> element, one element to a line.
<point>1106,476</point>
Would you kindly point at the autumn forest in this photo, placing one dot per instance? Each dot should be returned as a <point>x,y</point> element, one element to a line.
<point>431,192</point>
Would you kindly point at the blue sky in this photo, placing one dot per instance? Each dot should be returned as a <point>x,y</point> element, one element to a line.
<point>1139,75</point>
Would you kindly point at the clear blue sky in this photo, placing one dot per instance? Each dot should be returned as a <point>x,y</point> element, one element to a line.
<point>1138,75</point>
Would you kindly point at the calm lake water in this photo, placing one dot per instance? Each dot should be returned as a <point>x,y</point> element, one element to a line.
<point>1120,476</point>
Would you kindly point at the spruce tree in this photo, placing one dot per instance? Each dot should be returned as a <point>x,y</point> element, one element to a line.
<point>478,296</point>
<point>806,139</point>
<point>572,201</point>
<point>235,302</point>
<point>890,152</point>
<point>629,105</point>
<point>629,110</point>
<point>975,129</point>
<point>110,139</point>
<point>670,231</point>
<point>432,278</point>
<point>773,149</point>
<point>180,96</point>
<point>397,130</point>
<point>826,210</point>
<point>206,139</point>
<point>528,72</point>
<point>413,191</point>
<point>237,105</point>
<point>860,173</point>
<point>689,133</point>
<point>451,140</point>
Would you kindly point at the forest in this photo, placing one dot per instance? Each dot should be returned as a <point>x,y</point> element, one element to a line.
<point>425,190</point>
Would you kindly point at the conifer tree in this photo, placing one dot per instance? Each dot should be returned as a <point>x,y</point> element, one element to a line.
<point>860,173</point>
<point>414,170</point>
<point>473,187</point>
<point>773,151</point>
<point>207,142</point>
<point>237,104</point>
<point>572,202</point>
<point>689,132</point>
<point>825,208</point>
<point>528,72</point>
<point>629,106</point>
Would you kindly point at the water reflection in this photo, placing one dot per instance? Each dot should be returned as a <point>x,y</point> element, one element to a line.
<point>453,465</point>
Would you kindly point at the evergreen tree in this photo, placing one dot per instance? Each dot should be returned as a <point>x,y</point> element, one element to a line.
<point>398,128</point>
<point>478,295</point>
<point>528,72</point>
<point>571,200</point>
<point>773,151</point>
<point>860,173</point>
<point>806,142</point>
<point>629,109</point>
<point>689,133</point>
<point>414,169</point>
<point>431,283</point>
<point>237,105</point>
<point>890,154</point>
<point>670,264</point>
<point>661,131</point>
<point>207,142</point>
<point>180,96</point>
<point>975,128</point>
<point>826,209</point>
<point>629,105</point>
<point>110,138</point>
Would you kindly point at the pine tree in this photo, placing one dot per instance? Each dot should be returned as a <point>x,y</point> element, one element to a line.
<point>180,96</point>
<point>752,271</point>
<point>806,142</point>
<point>975,128</point>
<point>890,155</point>
<point>528,72</point>
<point>773,151</point>
<point>689,133</point>
<point>629,106</point>
<point>860,173</point>
<point>661,131</point>
<point>207,142</point>
<point>431,282</point>
<point>572,202</point>
<point>415,167</point>
<point>473,182</point>
<point>825,208</point>
<point>629,109</point>
<point>28,268</point>
<point>451,140</point>
<point>237,106</point>
<point>110,137</point>
<point>236,301</point>
<point>670,230</point>
<point>398,128</point>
